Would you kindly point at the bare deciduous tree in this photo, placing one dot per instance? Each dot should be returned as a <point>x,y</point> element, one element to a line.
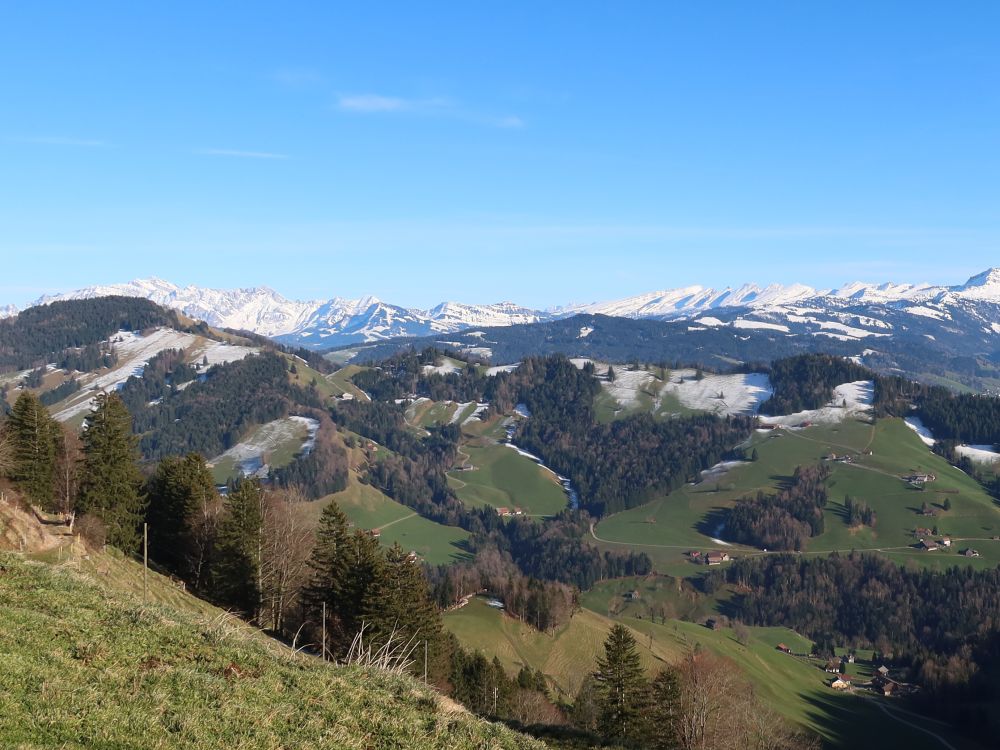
<point>287,543</point>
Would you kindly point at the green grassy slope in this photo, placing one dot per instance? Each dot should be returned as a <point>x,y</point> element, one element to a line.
<point>504,478</point>
<point>370,509</point>
<point>689,517</point>
<point>796,687</point>
<point>89,667</point>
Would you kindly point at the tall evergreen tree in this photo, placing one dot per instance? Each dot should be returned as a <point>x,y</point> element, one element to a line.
<point>329,568</point>
<point>623,687</point>
<point>110,481</point>
<point>178,492</point>
<point>239,549</point>
<point>34,438</point>
<point>664,710</point>
<point>400,602</point>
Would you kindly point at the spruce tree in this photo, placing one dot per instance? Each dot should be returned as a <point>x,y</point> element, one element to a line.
<point>400,601</point>
<point>664,709</point>
<point>329,568</point>
<point>178,491</point>
<point>361,591</point>
<point>110,481</point>
<point>622,687</point>
<point>34,438</point>
<point>239,548</point>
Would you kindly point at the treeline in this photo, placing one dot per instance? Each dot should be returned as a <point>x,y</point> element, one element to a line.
<point>46,333</point>
<point>807,381</point>
<point>782,521</point>
<point>57,394</point>
<point>945,625</point>
<point>963,418</point>
<point>543,604</point>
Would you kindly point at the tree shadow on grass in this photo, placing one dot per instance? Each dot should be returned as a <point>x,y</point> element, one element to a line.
<point>712,523</point>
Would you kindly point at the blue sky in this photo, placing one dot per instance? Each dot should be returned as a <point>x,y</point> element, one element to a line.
<point>540,152</point>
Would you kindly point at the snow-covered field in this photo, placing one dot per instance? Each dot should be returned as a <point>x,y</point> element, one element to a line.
<point>446,366</point>
<point>719,470</point>
<point>857,395</point>
<point>497,369</point>
<point>740,394</point>
<point>248,456</point>
<point>459,411</point>
<point>759,324</point>
<point>220,353</point>
<point>627,385</point>
<point>984,454</point>
<point>135,351</point>
<point>476,415</point>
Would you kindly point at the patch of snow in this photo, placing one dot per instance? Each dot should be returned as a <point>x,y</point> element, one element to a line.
<point>754,324</point>
<point>742,393</point>
<point>719,470</point>
<point>928,312</point>
<point>479,351</point>
<point>709,321</point>
<point>458,412</point>
<point>249,455</point>
<point>838,336</point>
<point>134,352</point>
<point>221,353</point>
<point>915,424</point>
<point>522,411</point>
<point>585,331</point>
<point>984,454</point>
<point>849,400</point>
<point>627,385</point>
<point>447,366</point>
<point>496,370</point>
<point>476,415</point>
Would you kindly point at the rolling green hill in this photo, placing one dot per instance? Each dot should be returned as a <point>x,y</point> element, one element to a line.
<point>692,516</point>
<point>501,477</point>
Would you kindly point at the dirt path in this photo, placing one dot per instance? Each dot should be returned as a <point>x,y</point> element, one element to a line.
<point>385,526</point>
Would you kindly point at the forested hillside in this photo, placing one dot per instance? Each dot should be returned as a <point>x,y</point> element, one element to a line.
<point>44,334</point>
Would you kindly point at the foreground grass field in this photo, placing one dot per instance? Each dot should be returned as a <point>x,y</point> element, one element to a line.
<point>504,478</point>
<point>85,666</point>
<point>692,517</point>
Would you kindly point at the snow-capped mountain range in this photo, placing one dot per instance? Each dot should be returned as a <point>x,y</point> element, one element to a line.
<point>321,324</point>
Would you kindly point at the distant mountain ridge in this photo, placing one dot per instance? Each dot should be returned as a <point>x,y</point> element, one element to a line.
<point>338,321</point>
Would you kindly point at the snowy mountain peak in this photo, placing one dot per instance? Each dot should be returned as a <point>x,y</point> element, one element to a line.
<point>983,286</point>
<point>325,323</point>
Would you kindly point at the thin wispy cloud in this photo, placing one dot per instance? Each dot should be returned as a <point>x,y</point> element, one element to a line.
<point>432,107</point>
<point>238,154</point>
<point>296,77</point>
<point>381,103</point>
<point>58,140</point>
